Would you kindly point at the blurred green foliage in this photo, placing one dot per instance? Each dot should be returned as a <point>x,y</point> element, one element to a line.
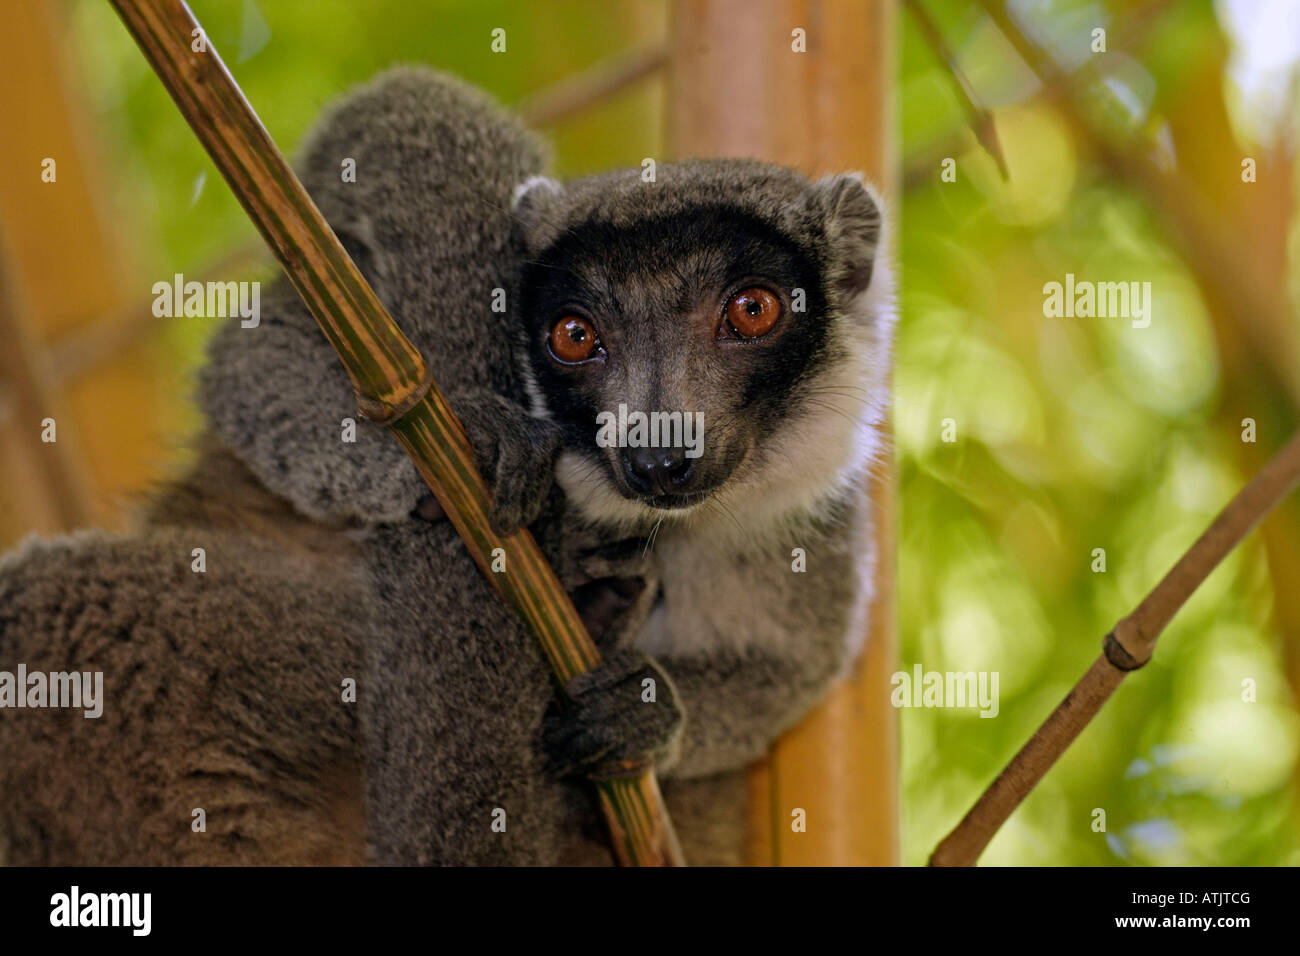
<point>1072,434</point>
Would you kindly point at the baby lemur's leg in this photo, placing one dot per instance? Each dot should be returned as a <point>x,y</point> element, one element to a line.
<point>514,451</point>
<point>451,710</point>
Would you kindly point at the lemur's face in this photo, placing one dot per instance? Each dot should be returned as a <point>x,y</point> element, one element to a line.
<point>683,338</point>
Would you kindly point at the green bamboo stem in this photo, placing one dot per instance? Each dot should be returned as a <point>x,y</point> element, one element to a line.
<point>387,373</point>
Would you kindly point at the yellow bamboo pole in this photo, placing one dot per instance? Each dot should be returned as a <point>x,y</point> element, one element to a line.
<point>388,374</point>
<point>739,88</point>
<point>52,178</point>
<point>62,482</point>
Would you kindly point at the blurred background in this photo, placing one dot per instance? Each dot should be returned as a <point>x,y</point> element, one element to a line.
<point>1166,157</point>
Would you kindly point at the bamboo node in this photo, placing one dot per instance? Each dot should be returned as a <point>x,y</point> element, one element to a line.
<point>1119,656</point>
<point>388,413</point>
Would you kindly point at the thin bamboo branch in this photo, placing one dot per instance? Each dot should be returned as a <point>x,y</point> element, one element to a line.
<point>977,115</point>
<point>1126,648</point>
<point>1242,283</point>
<point>1132,33</point>
<point>574,94</point>
<point>1225,280</point>
<point>388,374</point>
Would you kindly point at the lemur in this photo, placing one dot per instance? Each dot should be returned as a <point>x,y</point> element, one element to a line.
<point>745,293</point>
<point>325,560</point>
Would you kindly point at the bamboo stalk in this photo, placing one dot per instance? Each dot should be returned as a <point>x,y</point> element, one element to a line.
<point>823,111</point>
<point>1126,648</point>
<point>387,372</point>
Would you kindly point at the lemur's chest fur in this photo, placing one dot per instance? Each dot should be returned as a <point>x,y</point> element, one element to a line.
<point>717,590</point>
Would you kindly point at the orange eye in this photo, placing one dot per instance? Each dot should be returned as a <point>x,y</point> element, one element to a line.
<point>573,339</point>
<point>753,312</point>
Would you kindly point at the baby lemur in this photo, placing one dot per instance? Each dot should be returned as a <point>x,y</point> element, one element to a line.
<point>738,290</point>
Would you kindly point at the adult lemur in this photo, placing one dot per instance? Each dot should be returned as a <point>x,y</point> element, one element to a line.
<point>735,289</point>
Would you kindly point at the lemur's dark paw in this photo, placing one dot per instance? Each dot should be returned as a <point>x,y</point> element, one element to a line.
<point>623,710</point>
<point>515,453</point>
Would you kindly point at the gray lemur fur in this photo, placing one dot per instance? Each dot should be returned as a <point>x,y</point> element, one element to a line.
<point>223,688</point>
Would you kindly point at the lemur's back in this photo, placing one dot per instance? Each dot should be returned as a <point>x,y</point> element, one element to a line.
<point>437,163</point>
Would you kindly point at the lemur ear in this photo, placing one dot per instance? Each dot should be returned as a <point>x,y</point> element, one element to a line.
<point>850,214</point>
<point>534,201</point>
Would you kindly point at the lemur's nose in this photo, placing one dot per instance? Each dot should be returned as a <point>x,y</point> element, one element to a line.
<point>657,471</point>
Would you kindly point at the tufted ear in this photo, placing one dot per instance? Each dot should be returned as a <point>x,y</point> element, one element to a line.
<point>535,207</point>
<point>851,220</point>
